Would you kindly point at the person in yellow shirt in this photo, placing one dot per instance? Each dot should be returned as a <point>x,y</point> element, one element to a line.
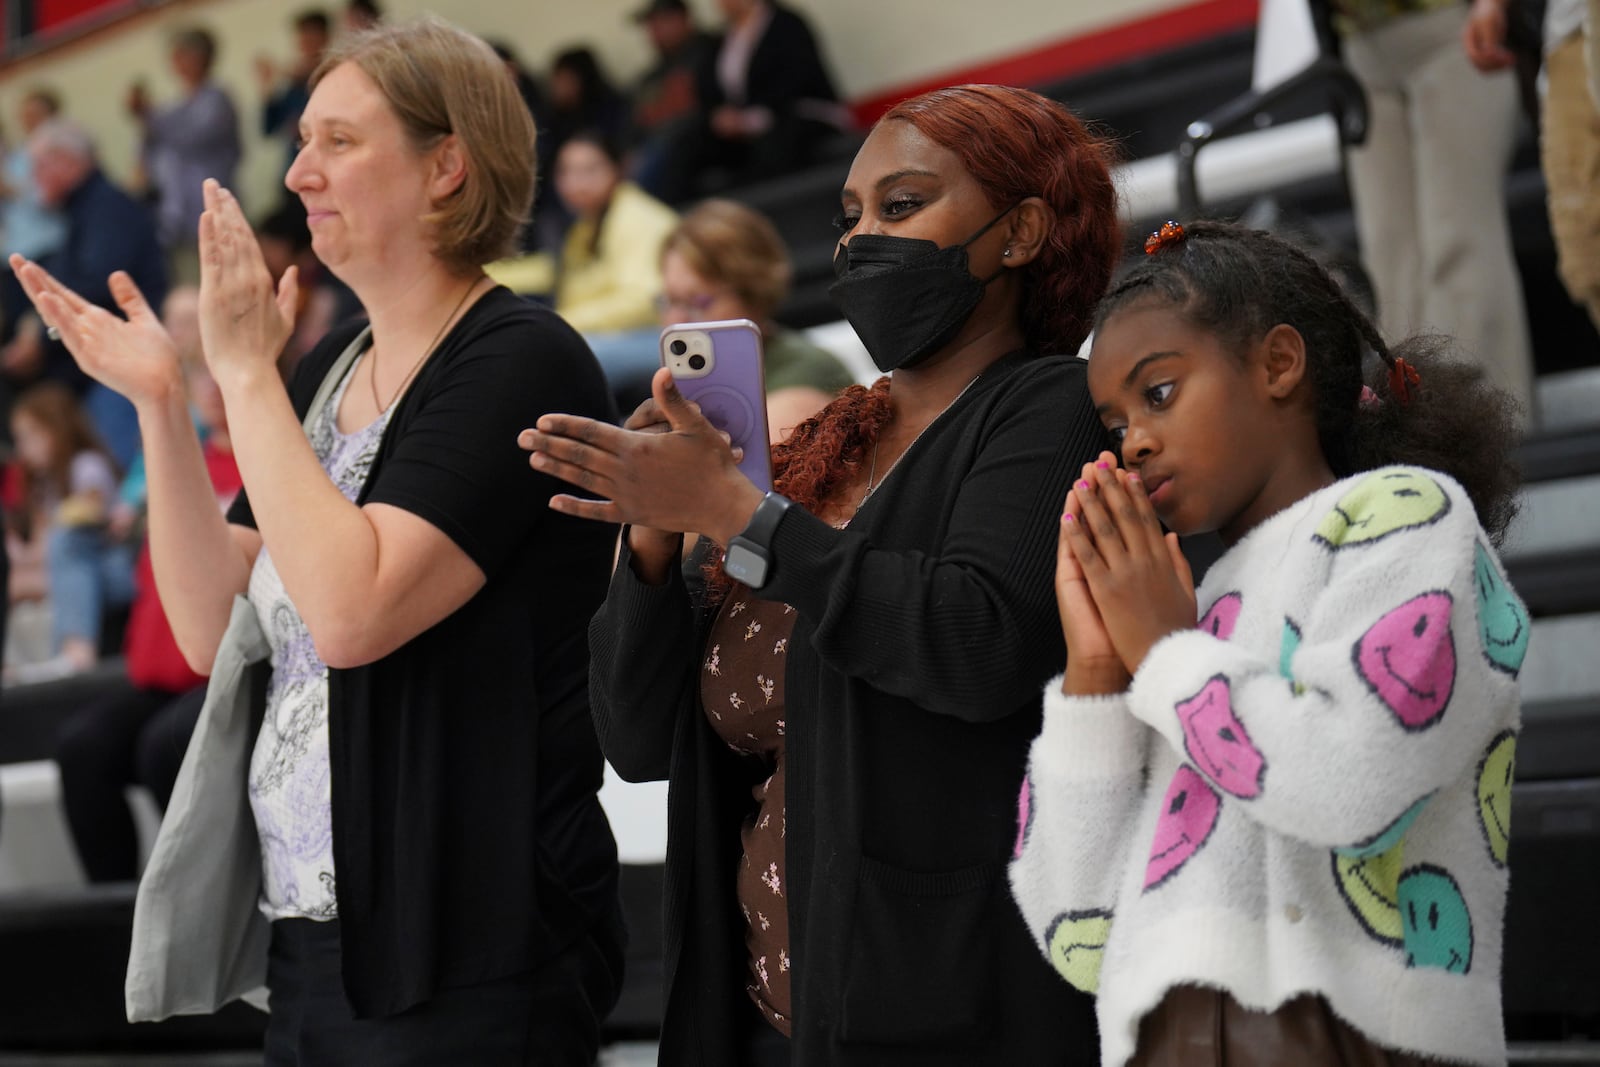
<point>609,272</point>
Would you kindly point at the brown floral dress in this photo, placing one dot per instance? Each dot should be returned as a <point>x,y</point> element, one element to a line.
<point>741,688</point>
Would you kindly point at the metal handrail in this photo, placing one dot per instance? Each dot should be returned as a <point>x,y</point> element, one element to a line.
<point>1349,105</point>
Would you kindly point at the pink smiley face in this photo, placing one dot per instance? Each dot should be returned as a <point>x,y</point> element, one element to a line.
<point>1188,815</point>
<point>1024,806</point>
<point>1217,741</point>
<point>1408,658</point>
<point>1222,616</point>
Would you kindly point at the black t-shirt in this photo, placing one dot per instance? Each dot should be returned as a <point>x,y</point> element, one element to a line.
<point>468,840</point>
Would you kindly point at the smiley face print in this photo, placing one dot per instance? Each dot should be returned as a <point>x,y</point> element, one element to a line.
<point>1370,887</point>
<point>1437,924</point>
<point>1408,658</point>
<point>1077,946</point>
<point>1503,623</point>
<point>1222,616</point>
<point>1024,815</point>
<point>1189,813</point>
<point>1217,741</point>
<point>1383,503</point>
<point>1495,774</point>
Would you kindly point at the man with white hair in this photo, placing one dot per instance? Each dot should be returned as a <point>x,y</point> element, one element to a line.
<point>106,231</point>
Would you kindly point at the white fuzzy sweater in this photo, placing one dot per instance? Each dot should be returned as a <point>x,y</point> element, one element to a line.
<point>1310,792</point>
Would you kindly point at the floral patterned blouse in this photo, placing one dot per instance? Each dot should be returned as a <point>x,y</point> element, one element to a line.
<point>741,688</point>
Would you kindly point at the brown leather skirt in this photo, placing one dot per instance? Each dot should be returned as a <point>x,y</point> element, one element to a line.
<point>1195,1027</point>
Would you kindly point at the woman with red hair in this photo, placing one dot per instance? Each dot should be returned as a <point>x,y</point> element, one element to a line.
<point>864,646</point>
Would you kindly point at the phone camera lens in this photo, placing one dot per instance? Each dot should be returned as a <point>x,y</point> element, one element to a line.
<point>696,361</point>
<point>679,348</point>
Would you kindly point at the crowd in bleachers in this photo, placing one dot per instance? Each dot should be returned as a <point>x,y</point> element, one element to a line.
<point>353,291</point>
<point>715,110</point>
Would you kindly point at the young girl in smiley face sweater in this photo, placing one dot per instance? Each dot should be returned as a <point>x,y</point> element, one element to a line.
<point>1288,829</point>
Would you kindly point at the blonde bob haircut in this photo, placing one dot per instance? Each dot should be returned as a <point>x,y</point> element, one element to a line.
<point>441,80</point>
<point>729,244</point>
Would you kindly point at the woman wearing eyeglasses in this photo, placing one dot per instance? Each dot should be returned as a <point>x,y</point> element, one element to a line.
<point>726,261</point>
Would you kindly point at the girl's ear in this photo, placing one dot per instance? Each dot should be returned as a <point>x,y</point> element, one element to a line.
<point>449,169</point>
<point>1030,224</point>
<point>1283,356</point>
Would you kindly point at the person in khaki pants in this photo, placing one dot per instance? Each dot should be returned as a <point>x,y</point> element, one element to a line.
<point>1428,184</point>
<point>1570,128</point>
<point>1591,49</point>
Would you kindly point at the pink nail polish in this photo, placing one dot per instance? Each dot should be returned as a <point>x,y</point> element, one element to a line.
<point>1083,485</point>
<point>1069,518</point>
<point>1103,465</point>
<point>1133,479</point>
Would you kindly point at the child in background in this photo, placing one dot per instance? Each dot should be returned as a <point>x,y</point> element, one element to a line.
<point>71,484</point>
<point>1282,832</point>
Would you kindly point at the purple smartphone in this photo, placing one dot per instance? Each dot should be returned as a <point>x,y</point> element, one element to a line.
<point>718,366</point>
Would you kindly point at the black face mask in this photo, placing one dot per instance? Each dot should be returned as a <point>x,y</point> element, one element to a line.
<point>906,297</point>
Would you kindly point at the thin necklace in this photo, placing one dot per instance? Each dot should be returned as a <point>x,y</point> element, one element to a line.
<point>872,470</point>
<point>372,379</point>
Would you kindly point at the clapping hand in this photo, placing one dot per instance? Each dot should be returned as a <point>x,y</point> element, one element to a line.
<point>133,355</point>
<point>244,320</point>
<point>685,478</point>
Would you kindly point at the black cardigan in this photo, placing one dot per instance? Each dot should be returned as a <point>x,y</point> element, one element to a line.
<point>468,839</point>
<point>925,632</point>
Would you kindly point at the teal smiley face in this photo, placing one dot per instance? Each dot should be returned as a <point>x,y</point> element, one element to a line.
<point>1503,623</point>
<point>1436,926</point>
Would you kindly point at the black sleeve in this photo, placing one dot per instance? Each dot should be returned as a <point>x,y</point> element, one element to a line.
<point>643,665</point>
<point>971,629</point>
<point>455,461</point>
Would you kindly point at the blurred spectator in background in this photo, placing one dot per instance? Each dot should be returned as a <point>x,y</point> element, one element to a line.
<point>362,15</point>
<point>107,231</point>
<point>1569,133</point>
<point>666,102</point>
<point>1429,183</point>
<point>28,226</point>
<point>726,261</point>
<point>138,735</point>
<point>184,144</point>
<point>61,546</point>
<point>767,95</point>
<point>581,98</point>
<point>609,272</point>
<point>285,91</point>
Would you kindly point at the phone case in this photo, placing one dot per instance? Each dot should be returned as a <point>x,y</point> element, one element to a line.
<point>727,383</point>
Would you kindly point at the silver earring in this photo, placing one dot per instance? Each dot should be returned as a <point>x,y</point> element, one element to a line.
<point>1007,253</point>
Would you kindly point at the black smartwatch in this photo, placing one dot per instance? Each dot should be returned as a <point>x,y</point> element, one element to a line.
<point>749,556</point>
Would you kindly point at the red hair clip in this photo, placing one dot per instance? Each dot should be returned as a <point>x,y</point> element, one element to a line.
<point>1170,234</point>
<point>1403,378</point>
